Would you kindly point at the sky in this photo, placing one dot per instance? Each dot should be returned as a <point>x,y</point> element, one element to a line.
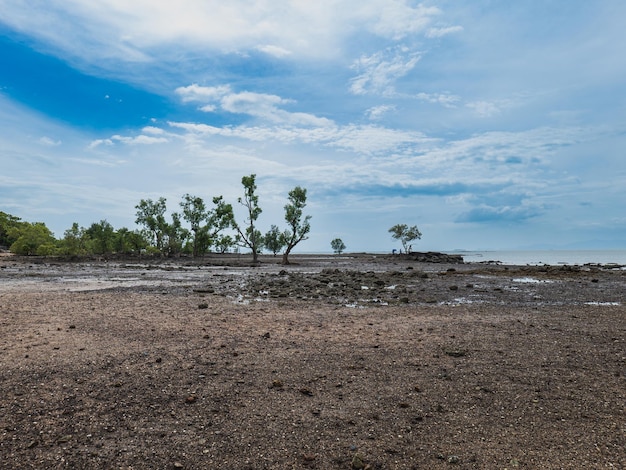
<point>488,124</point>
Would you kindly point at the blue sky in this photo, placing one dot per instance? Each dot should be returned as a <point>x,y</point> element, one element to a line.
<point>489,124</point>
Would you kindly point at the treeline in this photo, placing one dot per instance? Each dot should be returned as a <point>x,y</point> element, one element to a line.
<point>195,230</point>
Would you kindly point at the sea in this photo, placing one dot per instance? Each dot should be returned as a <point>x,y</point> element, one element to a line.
<point>547,257</point>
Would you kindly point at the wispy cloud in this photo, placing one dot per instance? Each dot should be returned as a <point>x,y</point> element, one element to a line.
<point>260,105</point>
<point>443,31</point>
<point>376,113</point>
<point>377,73</point>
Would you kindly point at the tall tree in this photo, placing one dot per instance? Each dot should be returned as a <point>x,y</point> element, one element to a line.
<point>298,228</point>
<point>250,237</point>
<point>195,213</point>
<point>151,215</point>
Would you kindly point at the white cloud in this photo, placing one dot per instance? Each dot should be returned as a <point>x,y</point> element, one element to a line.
<point>367,140</point>
<point>48,142</point>
<point>440,32</point>
<point>140,140</point>
<point>152,130</point>
<point>397,19</point>
<point>444,99</point>
<point>275,51</point>
<point>131,31</point>
<point>377,112</point>
<point>484,108</point>
<point>98,142</point>
<point>195,92</point>
<point>260,105</point>
<point>378,72</point>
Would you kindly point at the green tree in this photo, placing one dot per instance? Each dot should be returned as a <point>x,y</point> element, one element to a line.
<point>223,243</point>
<point>249,237</point>
<point>220,218</point>
<point>174,236</point>
<point>195,213</point>
<point>338,245</point>
<point>137,241</point>
<point>151,215</point>
<point>102,237</point>
<point>74,241</point>
<point>298,228</point>
<point>405,234</point>
<point>8,221</point>
<point>29,237</point>
<point>273,240</point>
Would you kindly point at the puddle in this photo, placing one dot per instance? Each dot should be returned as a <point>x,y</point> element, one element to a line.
<point>532,280</point>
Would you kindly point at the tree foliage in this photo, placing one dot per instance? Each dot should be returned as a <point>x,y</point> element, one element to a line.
<point>195,213</point>
<point>151,215</point>
<point>249,237</point>
<point>405,234</point>
<point>298,228</point>
<point>273,240</point>
<point>8,221</point>
<point>32,239</point>
<point>338,245</point>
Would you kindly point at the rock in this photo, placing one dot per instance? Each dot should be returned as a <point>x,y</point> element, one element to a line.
<point>357,463</point>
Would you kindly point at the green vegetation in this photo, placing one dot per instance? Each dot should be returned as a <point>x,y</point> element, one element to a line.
<point>338,245</point>
<point>297,227</point>
<point>195,230</point>
<point>405,234</point>
<point>273,240</point>
<point>249,237</point>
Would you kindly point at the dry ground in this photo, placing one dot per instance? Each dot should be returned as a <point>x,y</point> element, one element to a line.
<point>333,363</point>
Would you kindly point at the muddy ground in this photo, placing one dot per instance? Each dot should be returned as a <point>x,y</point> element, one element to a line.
<point>349,362</point>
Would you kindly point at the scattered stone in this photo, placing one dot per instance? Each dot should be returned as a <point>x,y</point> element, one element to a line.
<point>455,352</point>
<point>64,439</point>
<point>306,391</point>
<point>357,463</point>
<point>203,306</point>
<point>191,399</point>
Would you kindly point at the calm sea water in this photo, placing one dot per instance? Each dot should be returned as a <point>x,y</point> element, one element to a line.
<point>549,257</point>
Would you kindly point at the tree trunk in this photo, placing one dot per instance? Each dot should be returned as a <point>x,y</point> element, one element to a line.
<point>286,257</point>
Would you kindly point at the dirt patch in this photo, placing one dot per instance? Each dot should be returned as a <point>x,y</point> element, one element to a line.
<point>351,362</point>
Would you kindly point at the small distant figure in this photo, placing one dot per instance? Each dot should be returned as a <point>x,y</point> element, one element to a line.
<point>393,252</point>
<point>410,249</point>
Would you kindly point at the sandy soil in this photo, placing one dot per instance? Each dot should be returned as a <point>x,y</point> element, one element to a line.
<point>348,362</point>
